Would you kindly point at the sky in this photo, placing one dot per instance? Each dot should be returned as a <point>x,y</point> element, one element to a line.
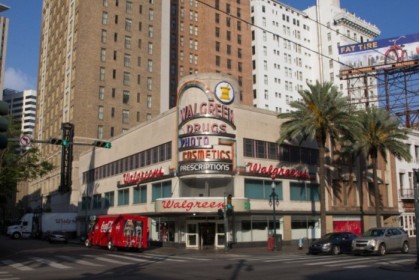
<point>392,17</point>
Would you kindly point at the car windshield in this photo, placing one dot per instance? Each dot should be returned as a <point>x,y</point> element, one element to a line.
<point>374,232</point>
<point>329,236</point>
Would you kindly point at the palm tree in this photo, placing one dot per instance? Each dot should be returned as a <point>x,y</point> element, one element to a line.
<point>321,114</point>
<point>380,133</point>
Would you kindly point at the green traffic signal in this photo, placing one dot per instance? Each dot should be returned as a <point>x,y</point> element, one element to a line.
<point>58,141</point>
<point>102,144</point>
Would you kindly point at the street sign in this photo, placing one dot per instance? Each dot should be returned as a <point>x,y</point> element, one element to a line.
<point>25,140</point>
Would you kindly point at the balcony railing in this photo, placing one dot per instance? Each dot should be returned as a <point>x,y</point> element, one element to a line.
<point>407,193</point>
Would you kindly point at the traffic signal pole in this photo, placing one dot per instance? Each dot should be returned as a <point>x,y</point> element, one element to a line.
<point>225,225</point>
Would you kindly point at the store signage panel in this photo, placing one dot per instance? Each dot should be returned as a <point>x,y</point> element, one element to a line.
<point>206,129</point>
<point>199,204</point>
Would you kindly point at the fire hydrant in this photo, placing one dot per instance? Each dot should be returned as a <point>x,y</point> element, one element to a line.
<point>300,244</point>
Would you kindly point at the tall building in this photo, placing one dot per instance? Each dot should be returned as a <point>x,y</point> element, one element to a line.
<point>108,65</point>
<point>22,107</point>
<point>210,36</point>
<point>4,29</point>
<point>292,48</point>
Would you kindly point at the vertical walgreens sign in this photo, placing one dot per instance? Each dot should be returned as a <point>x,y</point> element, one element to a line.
<point>206,129</point>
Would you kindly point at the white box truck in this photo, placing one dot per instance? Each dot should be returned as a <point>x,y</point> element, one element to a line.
<point>40,224</point>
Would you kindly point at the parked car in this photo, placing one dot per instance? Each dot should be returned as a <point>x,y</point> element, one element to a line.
<point>333,243</point>
<point>57,236</point>
<point>381,240</point>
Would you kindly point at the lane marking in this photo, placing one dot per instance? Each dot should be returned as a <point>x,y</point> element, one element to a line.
<point>106,260</point>
<point>82,262</point>
<point>51,263</point>
<point>18,266</point>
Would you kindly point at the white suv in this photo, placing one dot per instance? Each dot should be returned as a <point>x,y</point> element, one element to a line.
<point>380,240</point>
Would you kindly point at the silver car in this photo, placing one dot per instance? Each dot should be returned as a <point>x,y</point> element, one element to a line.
<point>381,240</point>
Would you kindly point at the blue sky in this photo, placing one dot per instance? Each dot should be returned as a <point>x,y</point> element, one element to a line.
<point>392,17</point>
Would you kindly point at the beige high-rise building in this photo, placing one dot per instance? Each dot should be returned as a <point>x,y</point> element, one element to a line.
<point>4,30</point>
<point>106,66</point>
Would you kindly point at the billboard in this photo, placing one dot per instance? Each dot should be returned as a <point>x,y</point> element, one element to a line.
<point>380,52</point>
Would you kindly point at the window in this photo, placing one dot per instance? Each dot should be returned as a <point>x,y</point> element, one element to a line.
<point>149,101</point>
<point>150,48</point>
<point>112,112</point>
<point>149,83</point>
<point>104,18</point>
<point>125,96</point>
<point>123,197</point>
<point>150,31</point>
<point>261,189</point>
<point>97,201</point>
<point>160,190</point>
<point>128,7</point>
<point>101,93</point>
<point>140,194</point>
<point>128,25</point>
<point>126,78</point>
<point>100,132</point>
<point>127,42</point>
<point>102,54</point>
<point>304,192</point>
<point>102,74</point>
<point>100,112</point>
<point>109,199</point>
<point>125,116</point>
<point>127,60</point>
<point>150,65</point>
<point>104,36</point>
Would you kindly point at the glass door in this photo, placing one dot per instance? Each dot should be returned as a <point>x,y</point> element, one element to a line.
<point>192,240</point>
<point>219,235</point>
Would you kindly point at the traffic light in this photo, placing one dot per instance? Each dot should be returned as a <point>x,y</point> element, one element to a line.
<point>229,205</point>
<point>102,144</point>
<point>4,123</point>
<point>58,141</point>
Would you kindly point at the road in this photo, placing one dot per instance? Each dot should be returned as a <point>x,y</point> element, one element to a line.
<point>36,259</point>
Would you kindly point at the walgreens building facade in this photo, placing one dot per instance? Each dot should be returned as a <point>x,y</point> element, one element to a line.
<point>179,168</point>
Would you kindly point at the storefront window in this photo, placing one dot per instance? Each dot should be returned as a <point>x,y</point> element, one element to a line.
<point>261,189</point>
<point>163,189</point>
<point>109,199</point>
<point>305,227</point>
<point>140,194</point>
<point>123,197</point>
<point>304,192</point>
<point>166,231</point>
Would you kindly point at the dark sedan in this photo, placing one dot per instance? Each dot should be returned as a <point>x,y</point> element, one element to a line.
<point>333,243</point>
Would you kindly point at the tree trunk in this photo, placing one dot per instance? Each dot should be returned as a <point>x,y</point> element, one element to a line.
<point>322,190</point>
<point>376,192</point>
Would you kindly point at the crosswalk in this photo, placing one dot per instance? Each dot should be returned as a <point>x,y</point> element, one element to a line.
<point>65,262</point>
<point>341,261</point>
<point>88,260</point>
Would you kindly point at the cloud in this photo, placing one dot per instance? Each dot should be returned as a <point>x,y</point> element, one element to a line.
<point>18,80</point>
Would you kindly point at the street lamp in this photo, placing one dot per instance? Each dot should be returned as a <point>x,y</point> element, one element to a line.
<point>274,201</point>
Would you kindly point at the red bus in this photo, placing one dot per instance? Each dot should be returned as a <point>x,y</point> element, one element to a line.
<point>118,231</point>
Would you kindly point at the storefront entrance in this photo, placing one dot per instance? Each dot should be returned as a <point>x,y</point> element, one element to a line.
<point>206,234</point>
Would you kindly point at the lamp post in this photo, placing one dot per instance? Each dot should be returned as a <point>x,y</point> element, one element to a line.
<point>274,201</point>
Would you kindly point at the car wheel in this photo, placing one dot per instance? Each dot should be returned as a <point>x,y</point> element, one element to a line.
<point>382,249</point>
<point>335,250</point>
<point>405,247</point>
<point>87,242</point>
<point>16,235</point>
